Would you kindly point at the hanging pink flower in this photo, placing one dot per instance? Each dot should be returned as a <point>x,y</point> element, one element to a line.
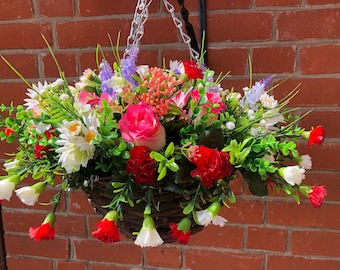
<point>317,195</point>
<point>140,125</point>
<point>141,165</point>
<point>45,231</point>
<point>107,230</point>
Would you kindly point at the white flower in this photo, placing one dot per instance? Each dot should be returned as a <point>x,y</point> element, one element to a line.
<point>7,186</point>
<point>64,97</point>
<point>270,158</point>
<point>32,103</point>
<point>251,114</point>
<point>76,143</point>
<point>30,195</point>
<point>12,165</point>
<point>268,101</point>
<point>177,67</point>
<point>42,127</point>
<point>148,235</point>
<point>58,82</point>
<point>230,125</point>
<point>305,162</point>
<point>210,215</point>
<point>142,70</point>
<point>292,174</point>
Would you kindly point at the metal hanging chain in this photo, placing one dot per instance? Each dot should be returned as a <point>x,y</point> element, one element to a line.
<point>139,19</point>
<point>188,26</point>
<point>178,23</point>
<point>137,24</point>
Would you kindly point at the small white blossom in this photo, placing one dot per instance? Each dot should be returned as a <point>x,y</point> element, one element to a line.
<point>292,174</point>
<point>148,235</point>
<point>268,101</point>
<point>306,162</point>
<point>7,186</point>
<point>230,125</point>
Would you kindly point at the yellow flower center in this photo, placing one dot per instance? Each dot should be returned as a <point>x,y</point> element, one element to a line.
<point>89,136</point>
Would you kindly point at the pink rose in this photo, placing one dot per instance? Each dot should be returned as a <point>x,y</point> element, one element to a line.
<point>139,125</point>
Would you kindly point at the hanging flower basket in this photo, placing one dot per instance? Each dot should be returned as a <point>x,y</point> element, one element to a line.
<point>154,149</point>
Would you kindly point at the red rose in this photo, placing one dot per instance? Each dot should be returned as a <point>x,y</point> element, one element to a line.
<point>192,70</point>
<point>107,230</point>
<point>317,195</point>
<point>211,164</point>
<point>316,135</point>
<point>142,165</point>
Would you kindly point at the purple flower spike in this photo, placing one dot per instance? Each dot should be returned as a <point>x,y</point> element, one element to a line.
<point>105,74</point>
<point>128,65</point>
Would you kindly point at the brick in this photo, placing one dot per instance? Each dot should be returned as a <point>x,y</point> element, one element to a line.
<point>278,59</point>
<point>303,215</point>
<point>266,239</point>
<point>221,4</point>
<point>14,36</point>
<point>278,262</point>
<point>79,203</point>
<point>277,3</point>
<point>325,156</point>
<point>67,63</point>
<point>108,252</point>
<point>25,64</point>
<point>306,24</point>
<point>21,222</point>
<point>321,59</point>
<point>322,2</point>
<point>168,34</point>
<point>56,8</point>
<point>105,7</point>
<point>23,245</point>
<point>169,257</point>
<point>309,91</point>
<point>229,59</point>
<point>89,33</point>
<point>67,265</point>
<point>14,10</point>
<point>204,259</point>
<point>324,118</point>
<point>331,180</point>
<point>228,236</point>
<point>319,243</point>
<point>16,262</point>
<point>261,27</point>
<point>244,211</point>
<point>105,266</point>
<point>7,148</point>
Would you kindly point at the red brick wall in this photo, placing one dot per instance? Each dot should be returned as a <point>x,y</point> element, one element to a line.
<point>297,38</point>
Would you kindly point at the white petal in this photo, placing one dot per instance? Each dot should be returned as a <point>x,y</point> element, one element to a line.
<point>148,238</point>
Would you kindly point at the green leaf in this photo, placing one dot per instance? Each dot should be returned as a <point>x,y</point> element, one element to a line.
<point>189,208</point>
<point>162,173</point>
<point>170,149</point>
<point>157,156</point>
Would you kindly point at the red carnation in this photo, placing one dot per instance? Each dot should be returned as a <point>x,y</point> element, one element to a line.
<point>40,150</point>
<point>45,231</point>
<point>192,70</point>
<point>317,195</point>
<point>107,230</point>
<point>316,135</point>
<point>211,164</point>
<point>141,165</point>
<point>181,231</point>
<point>9,131</point>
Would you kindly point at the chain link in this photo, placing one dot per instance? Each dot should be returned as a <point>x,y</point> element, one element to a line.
<point>179,25</point>
<point>137,24</point>
<point>139,19</point>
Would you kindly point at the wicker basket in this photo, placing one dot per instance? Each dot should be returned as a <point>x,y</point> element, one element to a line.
<point>167,202</point>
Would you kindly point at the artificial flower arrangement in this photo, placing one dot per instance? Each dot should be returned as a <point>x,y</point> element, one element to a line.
<point>152,133</point>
